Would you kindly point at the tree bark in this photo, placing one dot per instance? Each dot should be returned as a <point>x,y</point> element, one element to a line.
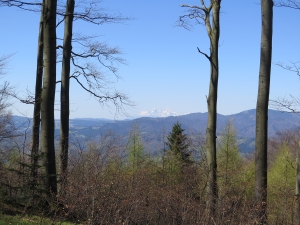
<point>213,33</point>
<point>261,142</point>
<point>65,89</point>
<point>48,96</point>
<point>37,105</point>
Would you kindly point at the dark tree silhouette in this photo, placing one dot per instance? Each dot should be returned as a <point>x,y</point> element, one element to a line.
<point>177,143</point>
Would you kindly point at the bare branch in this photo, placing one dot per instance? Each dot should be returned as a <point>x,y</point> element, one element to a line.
<point>192,7</point>
<point>194,13</point>
<point>60,22</point>
<point>3,63</point>
<point>101,52</point>
<point>208,57</point>
<point>34,6</point>
<point>91,12</point>
<point>119,99</point>
<point>294,67</point>
<point>28,99</point>
<point>286,104</point>
<point>293,4</point>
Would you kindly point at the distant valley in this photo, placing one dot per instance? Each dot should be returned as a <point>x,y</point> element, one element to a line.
<point>152,129</point>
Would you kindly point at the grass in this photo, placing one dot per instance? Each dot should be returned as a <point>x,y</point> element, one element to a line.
<point>27,220</point>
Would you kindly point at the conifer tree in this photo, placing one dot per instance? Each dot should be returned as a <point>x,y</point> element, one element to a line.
<point>177,143</point>
<point>136,147</point>
<point>229,161</point>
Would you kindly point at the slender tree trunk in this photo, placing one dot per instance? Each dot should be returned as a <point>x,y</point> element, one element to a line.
<point>261,141</point>
<point>214,33</point>
<point>297,192</point>
<point>48,96</point>
<point>37,105</point>
<point>65,86</point>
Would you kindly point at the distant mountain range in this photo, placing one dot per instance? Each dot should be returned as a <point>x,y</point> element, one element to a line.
<point>152,129</point>
<point>160,113</point>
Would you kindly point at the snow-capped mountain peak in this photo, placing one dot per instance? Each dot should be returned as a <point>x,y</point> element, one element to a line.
<point>160,113</point>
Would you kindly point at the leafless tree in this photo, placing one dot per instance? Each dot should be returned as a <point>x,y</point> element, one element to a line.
<point>210,17</point>
<point>78,63</point>
<point>85,71</point>
<point>261,141</point>
<point>48,95</point>
<point>37,106</point>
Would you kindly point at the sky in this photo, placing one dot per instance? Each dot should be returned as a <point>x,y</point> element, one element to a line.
<point>164,69</point>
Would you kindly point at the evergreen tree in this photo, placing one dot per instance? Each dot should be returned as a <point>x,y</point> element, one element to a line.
<point>177,143</point>
<point>230,163</point>
<point>228,157</point>
<point>136,147</point>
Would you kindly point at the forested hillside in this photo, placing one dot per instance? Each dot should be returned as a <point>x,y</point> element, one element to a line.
<point>196,168</point>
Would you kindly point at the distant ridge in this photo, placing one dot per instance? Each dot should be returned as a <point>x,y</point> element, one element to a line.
<point>244,122</point>
<point>194,123</point>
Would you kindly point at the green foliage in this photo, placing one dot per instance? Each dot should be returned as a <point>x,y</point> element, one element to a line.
<point>25,220</point>
<point>282,172</point>
<point>281,184</point>
<point>108,177</point>
<point>177,156</point>
<point>228,157</point>
<point>136,148</point>
<point>178,143</point>
<point>247,178</point>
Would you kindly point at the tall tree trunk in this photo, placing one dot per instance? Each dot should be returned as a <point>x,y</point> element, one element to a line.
<point>214,33</point>
<point>37,105</point>
<point>261,141</point>
<point>48,96</point>
<point>65,86</point>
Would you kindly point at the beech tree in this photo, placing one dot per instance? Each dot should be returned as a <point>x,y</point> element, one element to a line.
<point>48,95</point>
<point>82,68</point>
<point>36,119</point>
<point>65,87</point>
<point>210,17</point>
<point>261,141</point>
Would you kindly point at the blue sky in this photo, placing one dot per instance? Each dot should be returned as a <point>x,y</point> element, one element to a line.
<point>164,69</point>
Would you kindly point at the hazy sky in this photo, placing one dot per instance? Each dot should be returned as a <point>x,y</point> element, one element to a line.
<point>164,69</point>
